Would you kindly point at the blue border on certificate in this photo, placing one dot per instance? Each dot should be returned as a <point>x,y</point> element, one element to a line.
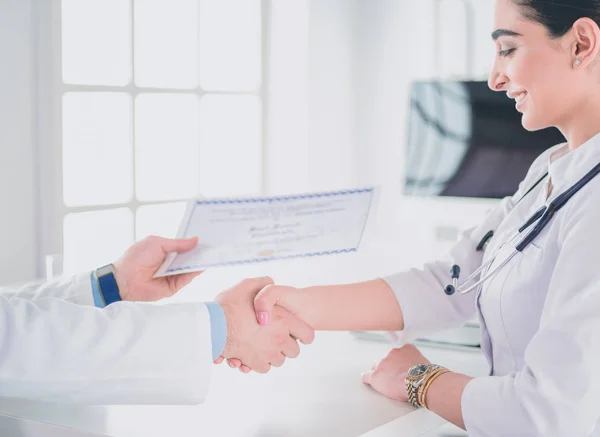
<point>272,200</point>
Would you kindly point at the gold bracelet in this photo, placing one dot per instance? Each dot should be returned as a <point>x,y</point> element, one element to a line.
<point>429,382</point>
<point>421,389</point>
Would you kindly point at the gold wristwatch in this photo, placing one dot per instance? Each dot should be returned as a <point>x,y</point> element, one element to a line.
<point>415,378</point>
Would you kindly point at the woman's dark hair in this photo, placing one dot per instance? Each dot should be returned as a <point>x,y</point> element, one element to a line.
<point>558,16</point>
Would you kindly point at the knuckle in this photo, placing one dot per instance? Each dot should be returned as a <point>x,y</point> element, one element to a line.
<point>280,338</point>
<point>277,360</point>
<point>264,368</point>
<point>395,352</point>
<point>268,289</point>
<point>266,279</point>
<point>247,281</point>
<point>279,316</point>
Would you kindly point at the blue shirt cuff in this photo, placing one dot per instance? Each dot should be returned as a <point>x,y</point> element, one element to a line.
<point>98,299</point>
<point>218,328</point>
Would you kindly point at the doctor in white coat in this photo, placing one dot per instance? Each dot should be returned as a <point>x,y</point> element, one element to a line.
<point>540,312</point>
<point>85,340</point>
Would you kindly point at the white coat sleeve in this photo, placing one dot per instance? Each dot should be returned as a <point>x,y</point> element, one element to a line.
<point>557,393</point>
<point>420,291</point>
<point>77,289</point>
<point>128,353</point>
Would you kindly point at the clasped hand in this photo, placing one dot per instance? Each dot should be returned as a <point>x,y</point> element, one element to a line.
<point>385,376</point>
<point>260,347</point>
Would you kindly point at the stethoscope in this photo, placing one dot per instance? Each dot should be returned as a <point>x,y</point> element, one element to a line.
<point>541,218</point>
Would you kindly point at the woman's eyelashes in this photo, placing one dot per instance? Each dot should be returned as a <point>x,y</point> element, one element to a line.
<point>507,52</point>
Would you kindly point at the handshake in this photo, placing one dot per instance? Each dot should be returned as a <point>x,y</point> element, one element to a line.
<point>264,324</point>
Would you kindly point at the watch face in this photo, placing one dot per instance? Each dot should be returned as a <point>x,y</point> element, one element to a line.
<point>105,270</point>
<point>418,370</point>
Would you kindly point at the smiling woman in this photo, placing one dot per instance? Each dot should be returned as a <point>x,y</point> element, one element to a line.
<point>541,48</point>
<point>538,310</point>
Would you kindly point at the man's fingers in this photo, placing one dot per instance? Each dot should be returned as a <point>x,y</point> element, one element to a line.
<point>261,367</point>
<point>245,369</point>
<point>300,329</point>
<point>277,360</point>
<point>234,363</point>
<point>219,360</point>
<point>264,302</point>
<point>291,349</point>
<point>180,281</point>
<point>169,245</point>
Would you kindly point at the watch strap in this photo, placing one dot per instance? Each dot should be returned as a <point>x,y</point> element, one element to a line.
<point>413,386</point>
<point>107,283</point>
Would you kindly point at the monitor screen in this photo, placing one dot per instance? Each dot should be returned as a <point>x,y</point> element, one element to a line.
<point>465,140</point>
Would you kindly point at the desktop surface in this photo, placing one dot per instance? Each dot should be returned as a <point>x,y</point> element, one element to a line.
<point>318,394</point>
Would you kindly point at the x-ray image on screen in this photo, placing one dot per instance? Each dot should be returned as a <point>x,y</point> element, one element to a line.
<point>465,140</point>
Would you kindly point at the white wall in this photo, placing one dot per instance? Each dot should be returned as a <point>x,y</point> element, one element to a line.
<point>18,185</point>
<point>311,136</point>
<point>338,99</point>
<point>396,42</point>
<point>331,81</point>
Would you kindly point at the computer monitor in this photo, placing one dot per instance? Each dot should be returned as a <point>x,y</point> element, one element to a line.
<point>465,140</point>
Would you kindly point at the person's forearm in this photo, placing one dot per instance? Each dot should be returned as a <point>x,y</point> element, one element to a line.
<point>370,305</point>
<point>76,289</point>
<point>445,394</point>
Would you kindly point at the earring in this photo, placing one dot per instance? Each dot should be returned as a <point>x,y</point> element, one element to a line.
<point>577,62</point>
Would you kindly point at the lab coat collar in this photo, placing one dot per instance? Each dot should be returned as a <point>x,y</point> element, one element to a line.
<point>566,167</point>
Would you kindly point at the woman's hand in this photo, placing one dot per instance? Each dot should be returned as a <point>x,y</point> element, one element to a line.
<point>388,375</point>
<point>443,395</point>
<point>364,306</point>
<point>273,295</point>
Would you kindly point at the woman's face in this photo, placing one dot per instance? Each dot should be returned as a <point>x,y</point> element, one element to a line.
<point>533,68</point>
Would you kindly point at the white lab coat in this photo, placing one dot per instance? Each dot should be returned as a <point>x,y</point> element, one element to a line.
<point>540,314</point>
<point>56,346</point>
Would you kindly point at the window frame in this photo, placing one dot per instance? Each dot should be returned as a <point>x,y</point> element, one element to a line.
<point>48,124</point>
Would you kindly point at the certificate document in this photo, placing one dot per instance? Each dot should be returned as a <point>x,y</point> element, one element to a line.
<point>259,229</point>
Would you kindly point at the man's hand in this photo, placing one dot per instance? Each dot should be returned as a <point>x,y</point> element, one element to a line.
<point>260,347</point>
<point>134,271</point>
<point>387,376</point>
<point>269,300</point>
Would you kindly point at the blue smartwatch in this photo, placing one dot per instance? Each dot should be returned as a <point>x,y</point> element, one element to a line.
<point>108,284</point>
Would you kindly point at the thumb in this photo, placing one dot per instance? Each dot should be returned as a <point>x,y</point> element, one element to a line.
<point>178,244</point>
<point>264,302</point>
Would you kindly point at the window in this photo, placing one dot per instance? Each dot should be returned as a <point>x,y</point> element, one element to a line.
<point>157,102</point>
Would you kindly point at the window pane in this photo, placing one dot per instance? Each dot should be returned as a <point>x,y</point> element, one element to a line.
<point>231,145</point>
<point>94,239</point>
<point>96,42</point>
<point>162,220</point>
<point>230,44</point>
<point>97,148</point>
<point>166,146</point>
<point>166,43</point>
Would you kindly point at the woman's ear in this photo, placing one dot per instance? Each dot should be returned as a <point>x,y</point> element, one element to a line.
<point>586,45</point>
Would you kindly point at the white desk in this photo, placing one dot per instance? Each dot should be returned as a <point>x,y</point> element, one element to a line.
<point>318,394</point>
